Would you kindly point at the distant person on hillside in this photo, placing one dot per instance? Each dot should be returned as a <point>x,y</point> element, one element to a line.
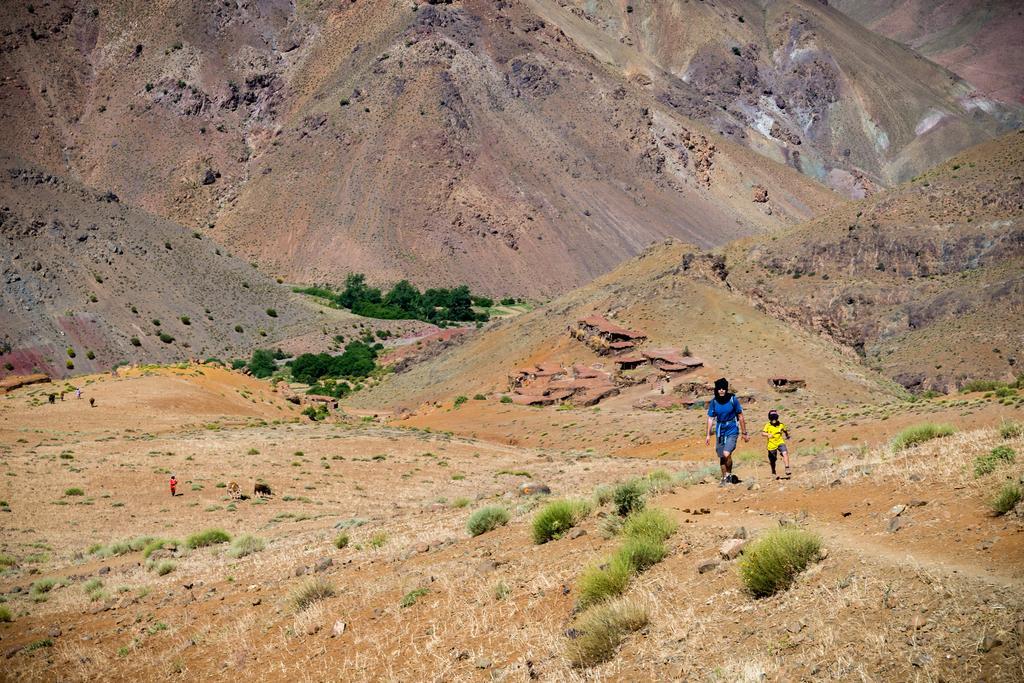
<point>725,416</point>
<point>174,485</point>
<point>78,392</point>
<point>777,434</point>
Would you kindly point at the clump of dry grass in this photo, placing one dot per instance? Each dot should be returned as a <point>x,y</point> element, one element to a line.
<point>772,562</point>
<point>1006,499</point>
<point>207,537</point>
<point>912,436</point>
<point>599,631</point>
<point>312,592</point>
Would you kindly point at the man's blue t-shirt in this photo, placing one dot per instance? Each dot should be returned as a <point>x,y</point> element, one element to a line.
<point>726,415</point>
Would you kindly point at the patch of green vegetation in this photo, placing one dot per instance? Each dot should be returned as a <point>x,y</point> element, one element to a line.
<point>410,598</point>
<point>341,541</point>
<point>5,615</point>
<point>165,567</point>
<point>74,491</point>
<point>486,519</point>
<point>985,464</point>
<point>919,434</point>
<point>772,562</point>
<point>207,537</point>
<point>556,518</point>
<point>403,302</point>
<point>628,497</point>
<point>1006,499</point>
<point>377,540</point>
<point>1011,430</point>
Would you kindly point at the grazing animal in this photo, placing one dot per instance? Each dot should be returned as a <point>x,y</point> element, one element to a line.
<point>234,491</point>
<point>261,490</point>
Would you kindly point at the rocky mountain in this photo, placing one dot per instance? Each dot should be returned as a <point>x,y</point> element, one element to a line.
<point>521,146</point>
<point>925,281</point>
<point>88,282</point>
<point>798,81</point>
<point>978,41</point>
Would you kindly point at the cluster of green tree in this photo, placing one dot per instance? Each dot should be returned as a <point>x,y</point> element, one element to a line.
<point>404,301</point>
<point>263,362</point>
<point>357,362</point>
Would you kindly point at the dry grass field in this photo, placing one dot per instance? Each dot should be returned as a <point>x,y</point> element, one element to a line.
<point>411,595</point>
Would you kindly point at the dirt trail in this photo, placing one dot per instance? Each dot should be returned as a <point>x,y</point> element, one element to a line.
<point>761,511</point>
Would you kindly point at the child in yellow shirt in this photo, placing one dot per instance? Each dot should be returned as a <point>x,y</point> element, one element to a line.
<point>777,435</point>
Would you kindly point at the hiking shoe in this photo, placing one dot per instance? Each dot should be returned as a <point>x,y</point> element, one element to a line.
<point>788,473</point>
<point>725,480</point>
<point>733,479</point>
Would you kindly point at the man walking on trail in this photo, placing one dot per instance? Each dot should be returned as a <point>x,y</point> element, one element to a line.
<point>725,416</point>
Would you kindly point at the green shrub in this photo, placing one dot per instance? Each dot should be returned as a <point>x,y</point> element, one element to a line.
<point>628,497</point>
<point>599,583</point>
<point>557,517</point>
<point>377,540</point>
<point>311,592</point>
<point>74,491</point>
<point>603,494</point>
<point>459,400</point>
<point>42,586</point>
<point>208,537</point>
<point>984,464</point>
<point>641,552</point>
<point>460,502</point>
<point>1011,430</point>
<point>166,338</point>
<point>479,397</point>
<point>649,523</point>
<point>166,567</point>
<point>341,541</point>
<point>506,399</point>
<point>1006,499</point>
<point>5,614</point>
<point>772,562</point>
<point>272,313</point>
<point>918,434</point>
<point>410,598</point>
<point>486,519</point>
<point>135,341</point>
<point>7,561</point>
<point>599,632</point>
<point>246,545</point>
<point>982,385</point>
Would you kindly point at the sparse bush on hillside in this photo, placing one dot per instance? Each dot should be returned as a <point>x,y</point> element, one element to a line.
<point>154,544</point>
<point>135,341</point>
<point>985,464</point>
<point>642,552</point>
<point>166,338</point>
<point>341,541</point>
<point>165,567</point>
<point>506,399</point>
<point>1006,499</point>
<point>599,631</point>
<point>486,519</point>
<point>246,545</point>
<point>207,537</point>
<point>557,517</point>
<point>459,400</point>
<point>649,523</point>
<point>312,592</point>
<point>628,497</point>
<point>599,583</point>
<point>772,562</point>
<point>272,313</point>
<point>918,434</point>
<point>410,598</point>
<point>74,491</point>
<point>1011,430</point>
<point>982,385</point>
<point>185,320</point>
<point>5,615</point>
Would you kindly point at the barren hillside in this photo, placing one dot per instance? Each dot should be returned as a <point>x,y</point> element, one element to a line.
<point>87,275</point>
<point>978,41</point>
<point>926,280</point>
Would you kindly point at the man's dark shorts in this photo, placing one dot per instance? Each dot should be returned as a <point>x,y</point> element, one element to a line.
<point>725,444</point>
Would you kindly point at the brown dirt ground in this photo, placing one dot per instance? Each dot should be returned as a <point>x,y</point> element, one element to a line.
<point>910,605</point>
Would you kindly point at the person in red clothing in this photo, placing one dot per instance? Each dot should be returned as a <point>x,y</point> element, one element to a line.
<point>174,485</point>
